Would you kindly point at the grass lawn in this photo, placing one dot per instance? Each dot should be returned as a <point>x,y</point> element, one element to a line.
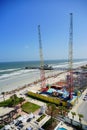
<point>29,107</point>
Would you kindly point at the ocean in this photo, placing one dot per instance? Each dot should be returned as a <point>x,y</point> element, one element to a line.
<point>14,74</point>
<point>13,68</point>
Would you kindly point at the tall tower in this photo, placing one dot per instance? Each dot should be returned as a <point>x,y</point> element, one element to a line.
<point>71,56</point>
<point>42,71</point>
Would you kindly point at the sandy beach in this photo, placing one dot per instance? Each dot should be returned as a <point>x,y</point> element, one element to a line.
<point>24,79</point>
<point>19,81</point>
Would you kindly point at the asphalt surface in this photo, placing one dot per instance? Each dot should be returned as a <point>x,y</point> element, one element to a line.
<point>83,110</point>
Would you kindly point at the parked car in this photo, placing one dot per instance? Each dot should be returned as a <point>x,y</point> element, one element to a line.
<point>21,125</point>
<point>84,99</point>
<point>18,122</point>
<point>29,119</point>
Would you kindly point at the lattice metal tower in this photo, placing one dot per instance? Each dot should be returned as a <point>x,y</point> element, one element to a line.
<point>71,55</point>
<point>42,71</point>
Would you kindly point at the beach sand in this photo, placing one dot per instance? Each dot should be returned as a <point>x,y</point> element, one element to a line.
<point>25,79</point>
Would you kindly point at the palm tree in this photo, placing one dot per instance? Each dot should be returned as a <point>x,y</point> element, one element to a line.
<point>3,93</point>
<point>52,111</point>
<point>63,110</point>
<point>80,118</point>
<point>73,114</point>
<point>66,111</point>
<point>13,99</point>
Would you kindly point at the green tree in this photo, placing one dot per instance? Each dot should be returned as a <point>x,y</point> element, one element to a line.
<point>52,111</point>
<point>3,93</point>
<point>73,114</point>
<point>63,110</point>
<point>13,100</point>
<point>80,118</point>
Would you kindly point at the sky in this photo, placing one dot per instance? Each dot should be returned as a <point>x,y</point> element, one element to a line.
<point>19,20</point>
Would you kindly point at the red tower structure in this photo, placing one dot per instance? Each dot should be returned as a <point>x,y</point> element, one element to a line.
<point>42,71</point>
<point>70,78</point>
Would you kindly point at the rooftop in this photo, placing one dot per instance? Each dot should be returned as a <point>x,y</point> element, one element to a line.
<point>5,110</point>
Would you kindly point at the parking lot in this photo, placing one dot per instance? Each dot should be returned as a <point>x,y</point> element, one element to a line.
<point>85,97</point>
<point>26,122</point>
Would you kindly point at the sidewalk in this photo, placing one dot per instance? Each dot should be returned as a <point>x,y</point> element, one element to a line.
<point>75,109</point>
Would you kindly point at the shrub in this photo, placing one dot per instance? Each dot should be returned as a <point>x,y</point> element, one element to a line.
<point>41,117</point>
<point>48,123</point>
<point>11,102</point>
<point>1,126</point>
<point>47,99</point>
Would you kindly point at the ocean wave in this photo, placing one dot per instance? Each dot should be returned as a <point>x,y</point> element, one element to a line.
<point>16,73</point>
<point>8,70</point>
<point>66,65</point>
<point>61,65</point>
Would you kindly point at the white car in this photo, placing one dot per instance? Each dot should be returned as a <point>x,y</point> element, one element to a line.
<point>85,98</point>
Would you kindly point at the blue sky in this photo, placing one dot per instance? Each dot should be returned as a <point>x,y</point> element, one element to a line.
<point>19,33</point>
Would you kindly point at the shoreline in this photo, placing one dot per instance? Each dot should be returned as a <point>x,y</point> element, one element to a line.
<point>37,82</point>
<point>20,82</point>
